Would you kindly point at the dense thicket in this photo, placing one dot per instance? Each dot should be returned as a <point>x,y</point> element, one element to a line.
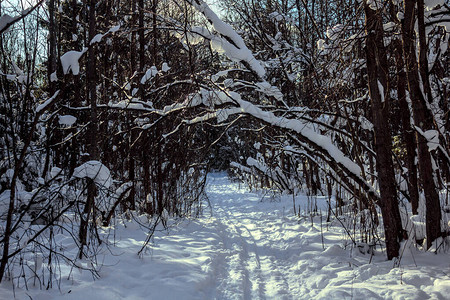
<point>92,117</point>
<point>112,107</point>
<point>371,78</point>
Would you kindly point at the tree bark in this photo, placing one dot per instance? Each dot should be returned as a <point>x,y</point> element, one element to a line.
<point>52,46</point>
<point>131,153</point>
<point>407,130</point>
<point>93,128</point>
<point>423,120</point>
<point>377,68</point>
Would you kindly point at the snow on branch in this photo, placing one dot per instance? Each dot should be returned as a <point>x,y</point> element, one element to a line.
<point>233,46</point>
<point>69,61</point>
<point>41,107</point>
<point>240,167</point>
<point>275,174</point>
<point>7,21</point>
<point>306,130</point>
<point>229,41</point>
<point>301,127</point>
<point>96,171</point>
<point>98,37</point>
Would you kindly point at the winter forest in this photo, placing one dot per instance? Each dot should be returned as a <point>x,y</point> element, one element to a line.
<point>228,149</point>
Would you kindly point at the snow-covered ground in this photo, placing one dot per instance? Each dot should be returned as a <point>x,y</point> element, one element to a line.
<point>245,248</point>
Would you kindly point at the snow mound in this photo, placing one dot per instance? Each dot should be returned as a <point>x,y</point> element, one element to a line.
<point>69,61</point>
<point>96,171</point>
<point>67,120</point>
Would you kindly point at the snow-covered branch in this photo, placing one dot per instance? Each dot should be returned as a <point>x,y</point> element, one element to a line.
<point>7,21</point>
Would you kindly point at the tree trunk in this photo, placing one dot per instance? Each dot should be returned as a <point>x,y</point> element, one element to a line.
<point>379,93</point>
<point>51,46</point>
<point>423,120</point>
<point>408,131</point>
<point>131,152</point>
<point>93,128</point>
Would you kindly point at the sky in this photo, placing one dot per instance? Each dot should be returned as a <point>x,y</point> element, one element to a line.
<point>18,4</point>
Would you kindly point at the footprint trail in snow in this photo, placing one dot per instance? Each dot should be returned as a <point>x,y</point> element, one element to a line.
<point>249,247</point>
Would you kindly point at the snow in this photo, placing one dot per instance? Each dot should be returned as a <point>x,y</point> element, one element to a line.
<point>19,75</point>
<point>114,28</point>
<point>375,4</point>
<point>432,137</point>
<point>96,171</point>
<point>430,4</point>
<point>124,187</point>
<point>195,36</point>
<point>55,171</point>
<point>5,20</point>
<point>321,44</point>
<point>259,165</point>
<point>306,130</point>
<point>47,102</point>
<point>381,90</point>
<point>165,67</point>
<point>97,38</point>
<point>69,61</point>
<point>152,72</point>
<point>334,32</point>
<point>220,74</point>
<point>236,49</point>
<point>364,123</point>
<point>250,246</point>
<point>389,26</point>
<point>125,104</point>
<point>67,120</point>
<point>221,45</point>
<point>269,90</point>
<point>53,77</point>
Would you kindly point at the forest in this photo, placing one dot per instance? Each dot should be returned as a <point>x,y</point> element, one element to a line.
<point>113,110</point>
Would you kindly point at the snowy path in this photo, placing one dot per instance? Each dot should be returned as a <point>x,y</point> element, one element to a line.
<point>253,259</point>
<point>262,251</point>
<point>247,249</point>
